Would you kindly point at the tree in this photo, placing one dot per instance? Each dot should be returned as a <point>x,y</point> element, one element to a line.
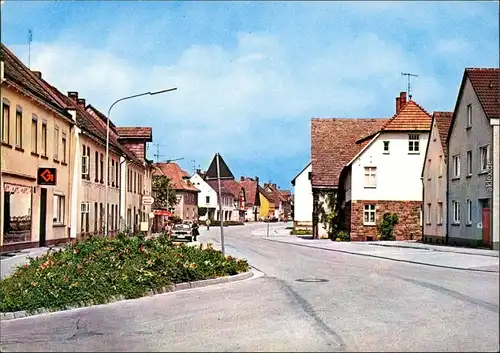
<point>330,213</point>
<point>164,192</point>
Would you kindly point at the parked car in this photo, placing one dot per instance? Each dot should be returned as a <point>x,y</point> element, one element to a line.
<point>183,231</point>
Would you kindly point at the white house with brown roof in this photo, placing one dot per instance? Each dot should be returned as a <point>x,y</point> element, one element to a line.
<point>303,198</point>
<point>434,179</point>
<point>384,176</point>
<point>473,149</point>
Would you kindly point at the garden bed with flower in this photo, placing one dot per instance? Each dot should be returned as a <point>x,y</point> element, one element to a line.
<point>98,270</point>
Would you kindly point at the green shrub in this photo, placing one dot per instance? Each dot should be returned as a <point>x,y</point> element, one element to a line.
<point>99,269</point>
<point>386,227</point>
<point>342,236</point>
<point>226,223</point>
<point>301,232</point>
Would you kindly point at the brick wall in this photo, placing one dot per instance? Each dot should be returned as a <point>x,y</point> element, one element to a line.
<point>347,214</point>
<point>407,211</point>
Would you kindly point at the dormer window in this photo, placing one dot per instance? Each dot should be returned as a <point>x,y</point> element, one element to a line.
<point>413,143</point>
<point>386,147</point>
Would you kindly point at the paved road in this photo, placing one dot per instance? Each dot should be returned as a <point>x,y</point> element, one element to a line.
<point>362,304</point>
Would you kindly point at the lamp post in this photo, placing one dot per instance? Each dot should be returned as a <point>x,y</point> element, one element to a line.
<point>107,145</point>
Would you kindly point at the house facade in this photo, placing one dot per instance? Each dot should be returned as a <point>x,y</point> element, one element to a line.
<point>252,204</point>
<point>207,196</point>
<point>186,193</point>
<point>36,133</point>
<point>266,209</point>
<point>473,149</point>
<point>227,202</point>
<point>375,181</point>
<point>434,180</point>
<point>303,199</point>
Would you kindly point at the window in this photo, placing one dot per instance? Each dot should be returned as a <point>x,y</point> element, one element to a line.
<point>63,144</point>
<point>5,123</point>
<point>309,175</point>
<point>112,172</point>
<point>84,216</point>
<point>469,115</point>
<point>95,217</point>
<point>207,199</point>
<point>56,143</point>
<point>96,166</point>
<point>101,168</point>
<point>428,215</point>
<point>440,166</point>
<point>101,217</point>
<point>386,147</point>
<point>469,163</point>
<point>469,211</point>
<point>117,174</point>
<point>58,209</point>
<point>369,215</point>
<point>34,134</point>
<point>456,166</point>
<point>19,128</point>
<point>413,143</point>
<point>484,154</point>
<point>44,138</point>
<point>370,177</point>
<point>440,213</point>
<point>85,162</point>
<point>456,211</point>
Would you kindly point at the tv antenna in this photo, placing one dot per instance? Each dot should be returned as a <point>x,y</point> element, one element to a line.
<point>30,39</point>
<point>194,165</point>
<point>157,155</point>
<point>409,75</point>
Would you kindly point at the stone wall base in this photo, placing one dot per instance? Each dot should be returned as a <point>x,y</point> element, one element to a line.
<point>408,212</point>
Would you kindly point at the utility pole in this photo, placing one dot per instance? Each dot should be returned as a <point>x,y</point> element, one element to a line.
<point>409,75</point>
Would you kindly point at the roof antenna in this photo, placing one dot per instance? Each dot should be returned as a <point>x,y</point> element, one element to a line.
<point>30,39</point>
<point>409,75</point>
<point>157,154</point>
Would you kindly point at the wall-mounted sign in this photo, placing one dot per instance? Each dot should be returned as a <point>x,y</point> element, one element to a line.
<point>147,200</point>
<point>47,176</point>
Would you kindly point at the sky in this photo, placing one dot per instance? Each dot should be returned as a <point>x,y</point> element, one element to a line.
<point>251,75</point>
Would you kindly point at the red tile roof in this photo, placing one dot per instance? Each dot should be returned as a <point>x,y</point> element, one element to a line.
<point>411,117</point>
<point>214,185</point>
<point>443,123</point>
<point>333,145</point>
<point>269,196</point>
<point>22,78</point>
<point>143,133</point>
<point>486,86</point>
<point>175,174</point>
<point>251,190</point>
<point>233,186</point>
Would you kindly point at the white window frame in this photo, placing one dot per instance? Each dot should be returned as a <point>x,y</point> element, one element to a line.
<point>64,146</point>
<point>469,162</point>
<point>370,177</point>
<point>34,134</point>
<point>369,210</point>
<point>384,145</point>
<point>85,207</point>
<point>413,144</point>
<point>469,116</point>
<point>440,213</point>
<point>469,211</point>
<point>456,166</point>
<point>484,167</point>
<point>85,165</point>
<point>455,209</point>
<point>58,211</point>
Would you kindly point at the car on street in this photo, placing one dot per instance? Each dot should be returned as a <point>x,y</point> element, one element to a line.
<point>182,231</point>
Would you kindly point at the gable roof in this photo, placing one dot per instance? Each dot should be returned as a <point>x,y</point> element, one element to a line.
<point>486,86</point>
<point>269,196</point>
<point>302,171</point>
<point>140,133</point>
<point>485,82</point>
<point>442,121</point>
<point>21,78</point>
<point>251,191</point>
<point>215,186</point>
<point>176,176</point>
<point>411,117</point>
<point>333,145</point>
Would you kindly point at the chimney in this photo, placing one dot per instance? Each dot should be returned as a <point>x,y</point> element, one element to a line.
<point>242,178</point>
<point>257,179</point>
<point>38,74</point>
<point>198,171</point>
<point>73,96</point>
<point>402,100</point>
<point>274,186</point>
<point>398,104</point>
<point>81,102</point>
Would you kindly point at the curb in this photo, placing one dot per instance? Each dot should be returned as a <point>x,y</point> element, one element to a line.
<point>383,257</point>
<point>431,249</point>
<point>172,288</point>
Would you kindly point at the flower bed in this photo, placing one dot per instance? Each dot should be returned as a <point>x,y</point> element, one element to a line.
<point>99,269</point>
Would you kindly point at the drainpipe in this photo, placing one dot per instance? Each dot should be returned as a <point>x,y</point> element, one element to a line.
<point>422,208</point>
<point>122,160</point>
<point>446,240</point>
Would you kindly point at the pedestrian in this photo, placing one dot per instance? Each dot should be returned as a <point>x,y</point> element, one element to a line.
<point>194,230</point>
<point>208,223</point>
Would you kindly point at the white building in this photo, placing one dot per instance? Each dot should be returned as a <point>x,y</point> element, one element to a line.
<point>385,175</point>
<point>207,197</point>
<point>303,198</point>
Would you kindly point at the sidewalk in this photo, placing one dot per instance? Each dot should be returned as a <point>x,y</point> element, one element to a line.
<point>9,264</point>
<point>410,254</point>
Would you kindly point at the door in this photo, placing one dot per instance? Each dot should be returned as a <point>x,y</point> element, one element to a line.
<point>6,212</point>
<point>486,227</point>
<point>43,215</point>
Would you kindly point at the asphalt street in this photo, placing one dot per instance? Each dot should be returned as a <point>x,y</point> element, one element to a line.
<point>304,299</point>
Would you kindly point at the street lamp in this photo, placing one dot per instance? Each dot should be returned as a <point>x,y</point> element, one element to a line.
<point>107,145</point>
